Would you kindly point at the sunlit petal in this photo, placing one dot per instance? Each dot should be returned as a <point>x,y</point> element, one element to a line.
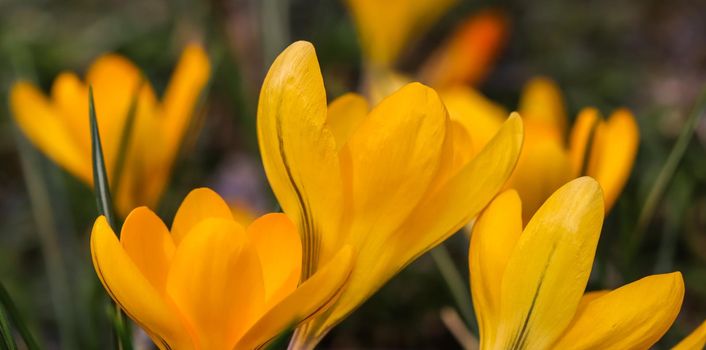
<point>298,151</point>
<point>494,236</point>
<point>125,283</point>
<point>547,273</point>
<point>345,115</point>
<point>199,204</point>
<point>634,316</point>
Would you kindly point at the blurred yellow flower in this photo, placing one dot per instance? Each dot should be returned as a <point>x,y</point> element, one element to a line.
<point>58,124</point>
<point>602,149</point>
<point>209,283</point>
<point>385,28</point>
<point>528,285</point>
<point>392,182</point>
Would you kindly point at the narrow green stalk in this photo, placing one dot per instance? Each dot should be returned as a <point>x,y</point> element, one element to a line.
<point>665,176</point>
<point>14,315</point>
<point>8,341</point>
<point>105,208</point>
<point>455,282</point>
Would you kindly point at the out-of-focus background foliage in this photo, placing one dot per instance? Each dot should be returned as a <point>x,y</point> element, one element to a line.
<point>648,55</point>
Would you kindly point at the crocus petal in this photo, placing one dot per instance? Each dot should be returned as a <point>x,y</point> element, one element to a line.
<point>437,216</point>
<point>469,53</point>
<point>581,138</point>
<point>542,168</point>
<point>187,82</point>
<point>385,27</point>
<point>47,131</point>
<point>547,273</point>
<point>344,115</point>
<point>380,82</point>
<point>634,316</point>
<point>280,251</point>
<point>199,204</point>
<point>309,298</point>
<point>480,116</point>
<point>613,153</point>
<point>542,103</point>
<point>298,151</point>
<point>115,81</point>
<point>126,284</point>
<point>69,96</point>
<point>410,127</point>
<point>147,241</point>
<point>495,234</point>
<point>694,341</point>
<point>216,282</point>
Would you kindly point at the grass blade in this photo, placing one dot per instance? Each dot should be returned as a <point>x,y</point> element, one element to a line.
<point>8,342</point>
<point>8,306</point>
<point>100,176</point>
<point>665,175</point>
<point>105,207</point>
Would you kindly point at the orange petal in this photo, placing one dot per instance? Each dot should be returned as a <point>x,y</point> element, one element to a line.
<point>216,282</point>
<point>467,56</point>
<point>199,204</point>
<point>126,284</point>
<point>147,241</point>
<point>280,250</point>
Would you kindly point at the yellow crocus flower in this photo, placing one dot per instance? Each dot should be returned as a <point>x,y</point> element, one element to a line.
<point>58,124</point>
<point>601,148</point>
<point>694,341</point>
<point>210,283</point>
<point>528,285</point>
<point>392,182</point>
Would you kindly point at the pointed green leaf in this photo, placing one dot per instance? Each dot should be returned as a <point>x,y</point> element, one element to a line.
<point>100,177</point>
<point>9,312</point>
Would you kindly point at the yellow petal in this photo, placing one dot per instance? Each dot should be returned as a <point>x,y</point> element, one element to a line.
<point>495,234</point>
<point>694,341</point>
<point>542,103</point>
<point>310,297</point>
<point>480,116</point>
<point>467,56</point>
<point>547,273</point>
<point>542,168</point>
<point>634,316</point>
<point>280,251</point>
<point>298,151</point>
<point>147,242</point>
<point>47,131</point>
<point>69,96</point>
<point>216,282</point>
<point>345,115</point>
<point>581,138</point>
<point>613,153</point>
<point>199,204</point>
<point>115,81</point>
<point>126,284</point>
<point>436,217</point>
<point>385,27</point>
<point>182,94</point>
<point>395,154</point>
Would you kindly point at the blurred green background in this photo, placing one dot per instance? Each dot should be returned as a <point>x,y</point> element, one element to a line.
<point>648,55</point>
